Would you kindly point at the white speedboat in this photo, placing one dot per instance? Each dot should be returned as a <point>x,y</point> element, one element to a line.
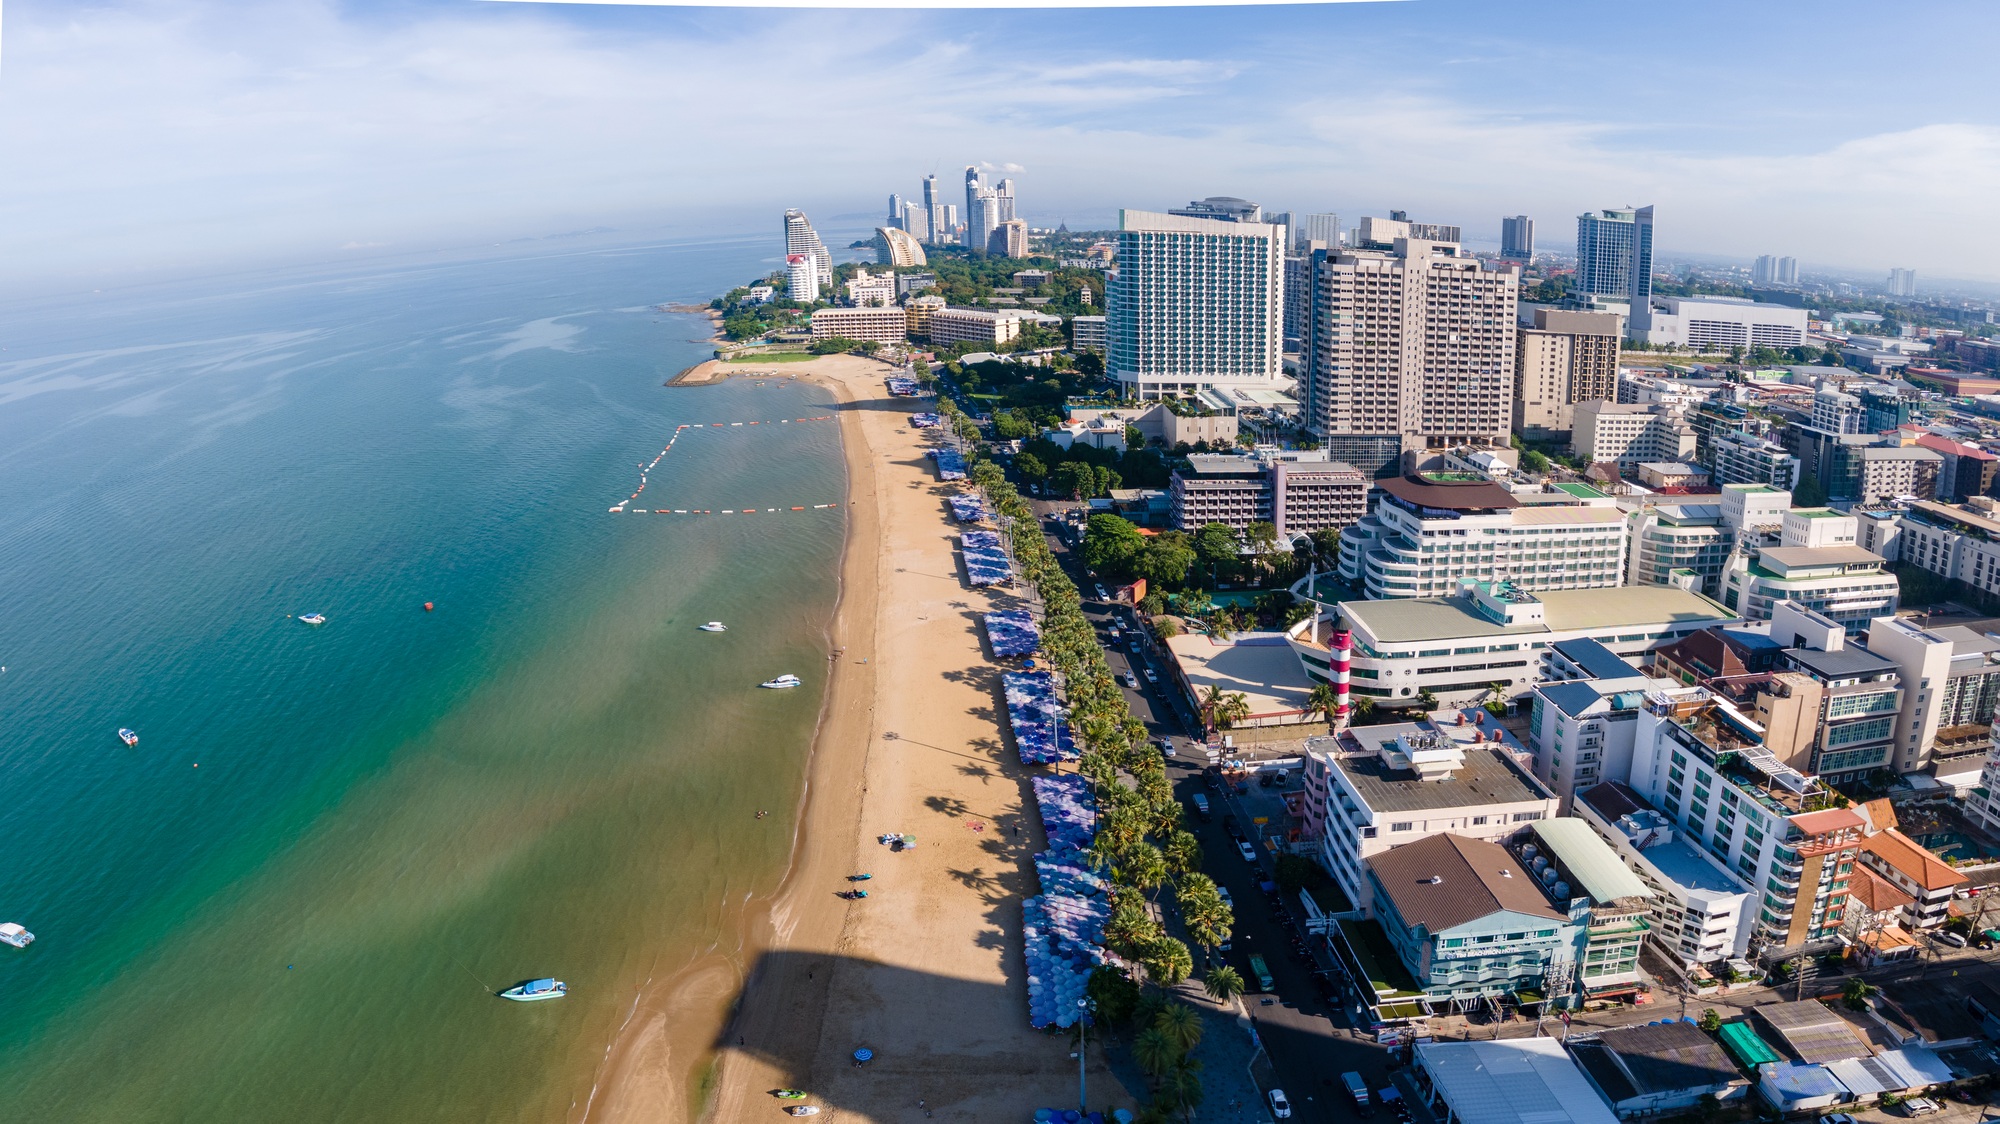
<point>781,682</point>
<point>313,618</point>
<point>535,990</point>
<point>128,737</point>
<point>715,626</point>
<point>12,934</point>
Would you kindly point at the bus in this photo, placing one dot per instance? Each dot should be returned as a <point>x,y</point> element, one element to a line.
<point>1262,971</point>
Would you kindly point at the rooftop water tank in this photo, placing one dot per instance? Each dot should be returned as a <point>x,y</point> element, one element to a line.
<point>1548,875</point>
<point>1529,851</point>
<point>1562,891</point>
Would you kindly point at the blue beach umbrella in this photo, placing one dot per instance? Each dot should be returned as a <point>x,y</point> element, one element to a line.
<point>863,1054</point>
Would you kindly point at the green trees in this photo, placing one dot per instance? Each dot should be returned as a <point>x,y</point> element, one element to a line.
<point>1322,700</point>
<point>1110,545</point>
<point>1165,561</point>
<point>1532,461</point>
<point>1857,993</point>
<point>1031,468</point>
<point>1215,546</point>
<point>1710,1021</point>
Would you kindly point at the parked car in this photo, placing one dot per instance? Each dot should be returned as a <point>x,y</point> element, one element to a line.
<point>1200,803</point>
<point>1280,1107</point>
<point>1131,681</point>
<point>1837,1118</point>
<point>1921,1106</point>
<point>1166,745</point>
<point>1953,939</point>
<point>1248,852</point>
<point>1152,676</point>
<point>1101,595</point>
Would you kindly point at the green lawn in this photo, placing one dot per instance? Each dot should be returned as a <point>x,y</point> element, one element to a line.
<point>774,357</point>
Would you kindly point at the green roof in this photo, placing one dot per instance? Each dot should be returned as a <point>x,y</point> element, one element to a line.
<point>1580,491</point>
<point>1749,1049</point>
<point>1378,960</point>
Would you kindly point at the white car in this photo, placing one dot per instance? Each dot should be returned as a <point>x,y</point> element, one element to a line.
<point>1101,595</point>
<point>1249,852</point>
<point>1280,1107</point>
<point>1151,677</point>
<point>1131,681</point>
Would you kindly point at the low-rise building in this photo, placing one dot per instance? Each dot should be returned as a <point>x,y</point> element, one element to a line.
<point>1845,583</point>
<point>1430,532</point>
<point>1456,648</point>
<point>866,289</point>
<point>878,324</point>
<point>1967,470</point>
<point>1580,725</point>
<point>973,325</point>
<point>1586,881</point>
<point>1672,539</point>
<point>917,312</point>
<point>1375,788</point>
<point>1710,323</point>
<point>1945,726</point>
<point>1658,1069</point>
<point>1506,1081</point>
<point>1928,880</point>
<point>1672,474</point>
<point>1898,472</point>
<point>1744,458</point>
<point>1957,541</point>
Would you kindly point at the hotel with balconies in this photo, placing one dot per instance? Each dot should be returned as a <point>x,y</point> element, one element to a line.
<point>1430,532</point>
<point>1704,764</point>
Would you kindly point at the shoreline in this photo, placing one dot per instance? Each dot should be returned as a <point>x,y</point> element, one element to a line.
<point>929,972</point>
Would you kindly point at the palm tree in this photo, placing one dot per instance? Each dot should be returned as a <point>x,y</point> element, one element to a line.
<point>1323,700</point>
<point>1181,1025</point>
<point>1143,867</point>
<point>1182,1085</point>
<point>1183,854</point>
<point>1222,983</point>
<point>1154,1052</point>
<point>1168,962</point>
<point>1211,698</point>
<point>1234,707</point>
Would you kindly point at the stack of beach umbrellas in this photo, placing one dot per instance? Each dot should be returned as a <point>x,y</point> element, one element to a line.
<point>1041,732</point>
<point>967,509</point>
<point>986,561</point>
<point>950,465</point>
<point>1069,811</point>
<point>904,388</point>
<point>1060,957</point>
<point>924,421</point>
<point>1013,633</point>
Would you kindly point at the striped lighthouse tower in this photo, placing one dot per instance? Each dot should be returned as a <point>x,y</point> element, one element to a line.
<point>1340,645</point>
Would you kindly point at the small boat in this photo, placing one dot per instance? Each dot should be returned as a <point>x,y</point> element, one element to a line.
<point>12,934</point>
<point>127,736</point>
<point>536,989</point>
<point>790,1094</point>
<point>804,1110</point>
<point>715,626</point>
<point>313,618</point>
<point>859,877</point>
<point>781,682</point>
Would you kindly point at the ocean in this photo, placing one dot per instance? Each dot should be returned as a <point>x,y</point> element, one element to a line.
<point>295,898</point>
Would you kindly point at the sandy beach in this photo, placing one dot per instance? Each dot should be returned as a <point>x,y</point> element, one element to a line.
<point>927,972</point>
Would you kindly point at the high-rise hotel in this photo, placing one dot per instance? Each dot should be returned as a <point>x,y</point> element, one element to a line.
<point>1196,303</point>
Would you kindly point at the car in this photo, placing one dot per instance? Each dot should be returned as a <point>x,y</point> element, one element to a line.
<point>1280,1107</point>
<point>1131,681</point>
<point>1837,1118</point>
<point>1167,747</point>
<point>1152,676</point>
<point>1249,853</point>
<point>1223,893</point>
<point>1955,940</point>
<point>1921,1106</point>
<point>1101,595</point>
<point>1133,643</point>
<point>1265,780</point>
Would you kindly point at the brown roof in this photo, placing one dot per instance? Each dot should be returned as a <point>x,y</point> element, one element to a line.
<point>1454,495</point>
<point>1875,894</point>
<point>1880,812</point>
<point>1902,853</point>
<point>1443,881</point>
<point>1830,819</point>
<point>1612,800</point>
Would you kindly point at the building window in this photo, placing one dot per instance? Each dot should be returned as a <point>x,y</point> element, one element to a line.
<point>1524,817</point>
<point>1478,820</point>
<point>1402,826</point>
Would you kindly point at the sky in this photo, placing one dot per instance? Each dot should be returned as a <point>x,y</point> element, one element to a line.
<point>158,137</point>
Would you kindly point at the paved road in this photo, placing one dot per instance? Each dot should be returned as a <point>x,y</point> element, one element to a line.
<point>1304,1036</point>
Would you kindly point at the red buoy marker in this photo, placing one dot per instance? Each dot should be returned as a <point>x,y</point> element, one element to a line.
<point>427,606</point>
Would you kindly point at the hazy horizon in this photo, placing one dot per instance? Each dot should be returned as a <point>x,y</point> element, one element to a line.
<point>203,136</point>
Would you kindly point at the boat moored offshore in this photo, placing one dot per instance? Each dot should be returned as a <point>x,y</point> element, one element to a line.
<point>715,626</point>
<point>313,618</point>
<point>535,990</point>
<point>781,682</point>
<point>15,935</point>
<point>127,736</point>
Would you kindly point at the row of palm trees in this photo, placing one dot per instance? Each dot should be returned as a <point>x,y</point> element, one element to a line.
<point>1140,842</point>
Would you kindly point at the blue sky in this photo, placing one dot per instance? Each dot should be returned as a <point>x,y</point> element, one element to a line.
<point>150,136</point>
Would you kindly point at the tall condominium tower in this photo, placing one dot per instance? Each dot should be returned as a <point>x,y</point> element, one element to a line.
<point>1771,270</point>
<point>974,188</point>
<point>1410,348</point>
<point>802,278</point>
<point>1008,240</point>
<point>1902,282</point>
<point>934,213</point>
<point>982,220</point>
<point>1322,227</point>
<point>1196,303</point>
<point>1005,191</point>
<point>1517,237</point>
<point>801,239</point>
<point>1614,259</point>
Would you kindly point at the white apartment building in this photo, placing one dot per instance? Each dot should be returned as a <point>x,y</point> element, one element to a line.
<point>1697,906</point>
<point>865,289</point>
<point>801,278</point>
<point>1428,534</point>
<point>878,324</point>
<point>1845,583</point>
<point>1743,458</point>
<point>1195,303</point>
<point>1951,677</point>
<point>1898,472</point>
<point>1415,344</point>
<point>1817,527</point>
<point>897,247</point>
<point>1755,509</point>
<point>1374,788</point>
<point>801,239</point>
<point>1673,538</point>
<point>1295,492</point>
<point>1960,541</point>
<point>973,325</point>
<point>1582,715</point>
<point>1630,434</point>
<point>1720,323</point>
<point>1455,648</point>
<point>1087,333</point>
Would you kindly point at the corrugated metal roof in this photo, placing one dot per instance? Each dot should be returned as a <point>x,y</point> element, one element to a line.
<point>1748,1048</point>
<point>1592,861</point>
<point>1513,1081</point>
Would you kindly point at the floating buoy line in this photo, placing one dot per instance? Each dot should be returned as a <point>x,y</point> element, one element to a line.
<point>646,468</point>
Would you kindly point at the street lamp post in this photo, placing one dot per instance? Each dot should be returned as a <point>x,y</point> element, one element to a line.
<point>1082,1053</point>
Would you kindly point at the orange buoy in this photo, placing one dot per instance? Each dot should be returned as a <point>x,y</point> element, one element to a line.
<point>428,606</point>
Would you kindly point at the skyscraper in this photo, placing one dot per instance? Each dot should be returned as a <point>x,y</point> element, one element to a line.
<point>1196,303</point>
<point>1517,238</point>
<point>934,214</point>
<point>1902,282</point>
<point>1788,271</point>
<point>801,239</point>
<point>1410,348</point>
<point>1614,260</point>
<point>897,247</point>
<point>1008,240</point>
<point>1005,191</point>
<point>802,278</point>
<point>974,188</point>
<point>1321,226</point>
<point>1771,270</point>
<point>983,220</point>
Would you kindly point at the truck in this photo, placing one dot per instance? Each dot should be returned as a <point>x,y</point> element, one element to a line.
<point>1357,1087</point>
<point>1264,983</point>
<point>1200,806</point>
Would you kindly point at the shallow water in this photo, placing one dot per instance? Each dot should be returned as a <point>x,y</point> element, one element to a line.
<point>294,899</point>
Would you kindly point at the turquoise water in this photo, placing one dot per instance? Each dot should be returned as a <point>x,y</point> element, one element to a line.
<point>294,898</point>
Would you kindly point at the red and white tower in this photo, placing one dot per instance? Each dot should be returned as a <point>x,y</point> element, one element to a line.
<point>1340,646</point>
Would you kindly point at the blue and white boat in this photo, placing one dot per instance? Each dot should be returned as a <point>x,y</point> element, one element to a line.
<point>313,618</point>
<point>12,934</point>
<point>127,736</point>
<point>781,682</point>
<point>714,626</point>
<point>536,989</point>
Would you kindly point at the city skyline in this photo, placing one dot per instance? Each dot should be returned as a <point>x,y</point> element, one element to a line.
<point>315,132</point>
